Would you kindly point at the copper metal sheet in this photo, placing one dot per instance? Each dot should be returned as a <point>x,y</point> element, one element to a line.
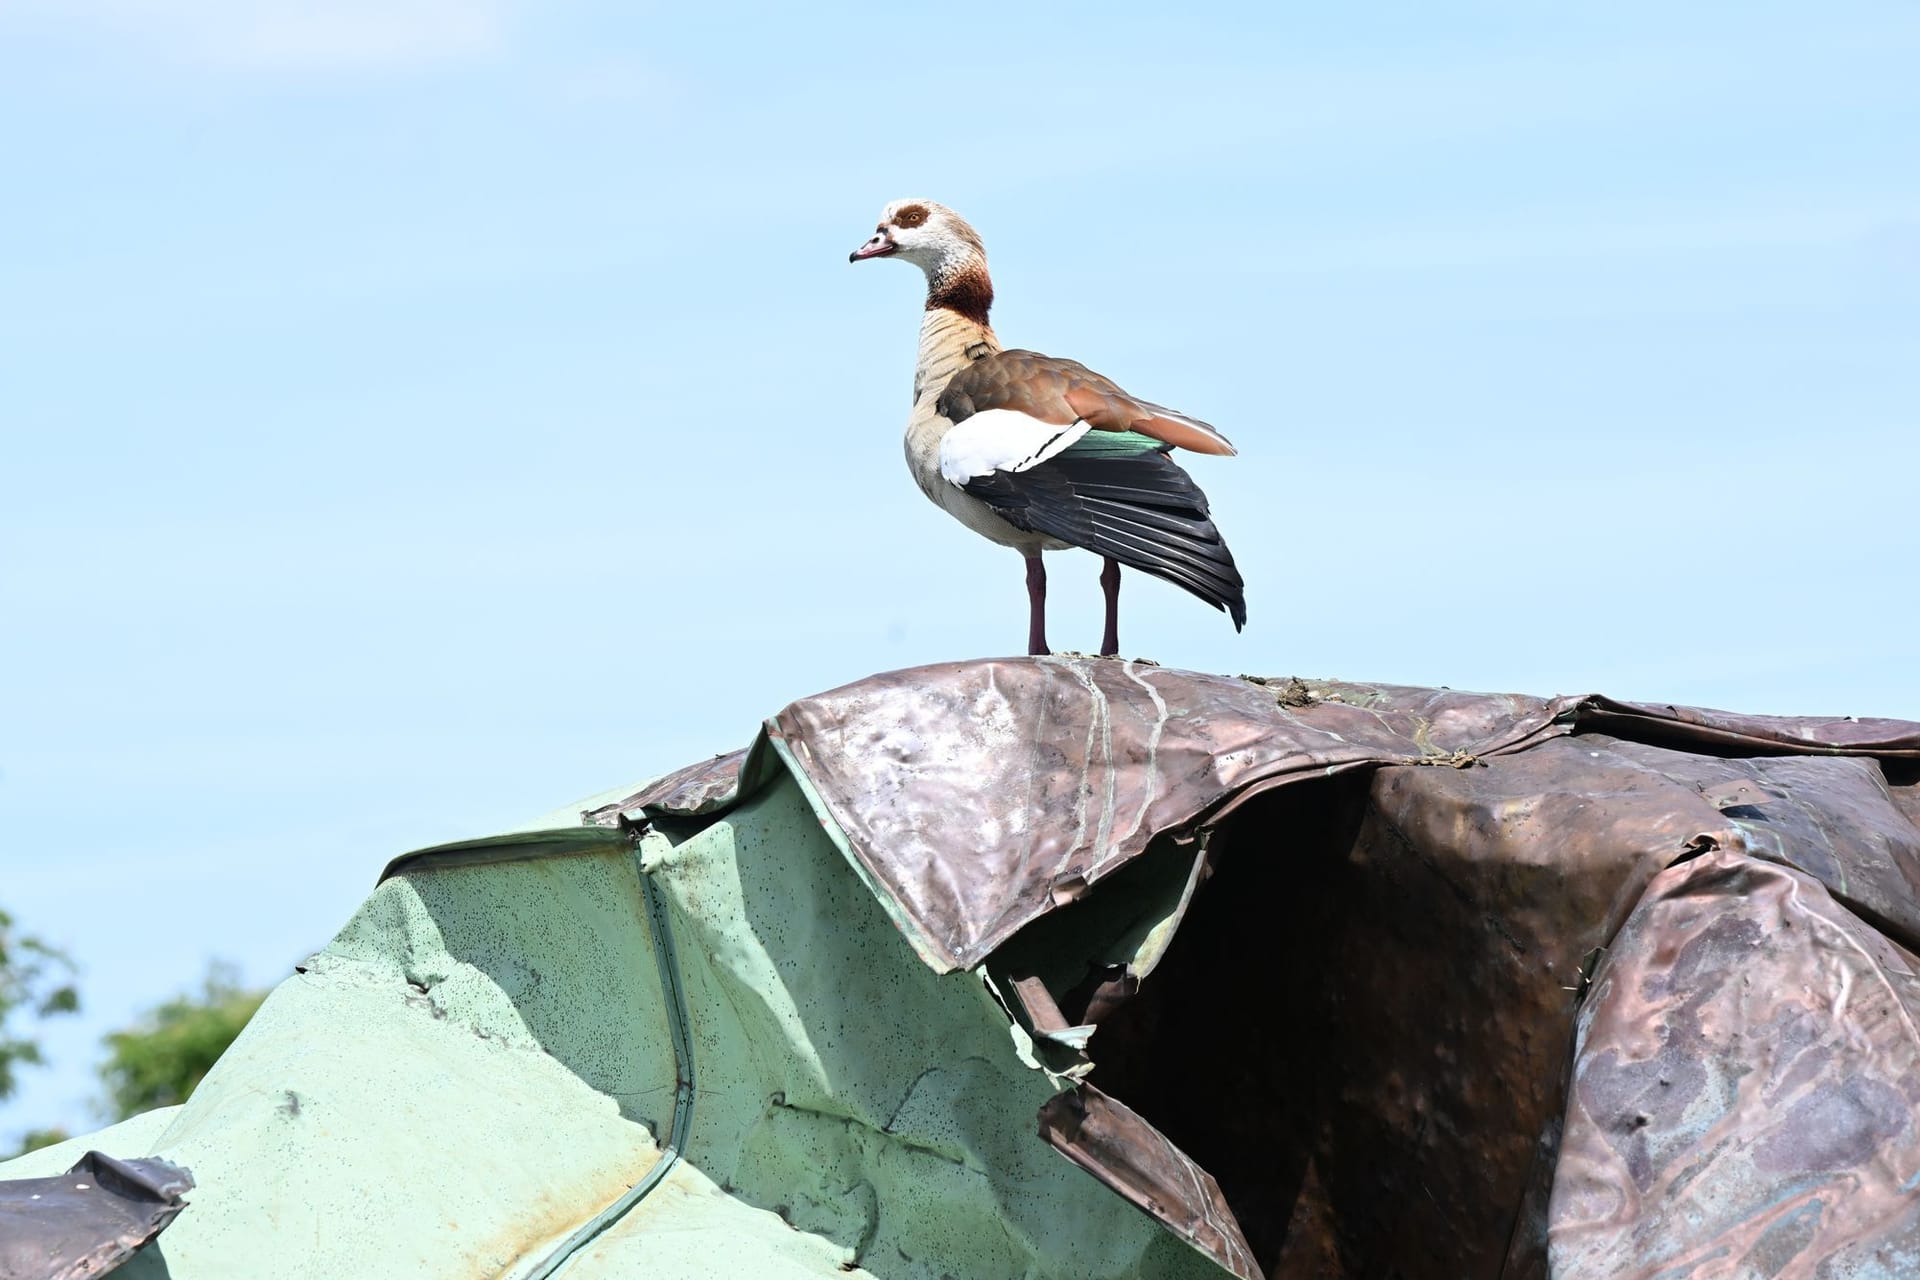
<point>1108,1140</point>
<point>1478,897</point>
<point>1753,735</point>
<point>88,1220</point>
<point>978,796</point>
<point>701,789</point>
<point>1401,986</point>
<point>982,795</point>
<point>1379,983</point>
<point>1833,818</point>
<point>1745,1089</point>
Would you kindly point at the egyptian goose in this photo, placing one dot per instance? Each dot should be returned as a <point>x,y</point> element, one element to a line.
<point>1039,453</point>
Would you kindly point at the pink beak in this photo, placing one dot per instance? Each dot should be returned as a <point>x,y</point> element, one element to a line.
<point>878,247</point>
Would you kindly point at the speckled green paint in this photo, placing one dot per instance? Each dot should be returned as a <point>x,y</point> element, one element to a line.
<point>481,1061</point>
<point>864,1096</point>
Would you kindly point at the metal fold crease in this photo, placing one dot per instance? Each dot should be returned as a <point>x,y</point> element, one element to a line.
<point>1323,978</point>
<point>1461,904</point>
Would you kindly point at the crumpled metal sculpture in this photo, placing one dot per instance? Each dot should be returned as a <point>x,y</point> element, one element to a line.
<point>1360,1025</point>
<point>1324,978</point>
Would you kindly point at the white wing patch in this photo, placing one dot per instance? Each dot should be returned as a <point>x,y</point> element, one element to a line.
<point>1002,440</point>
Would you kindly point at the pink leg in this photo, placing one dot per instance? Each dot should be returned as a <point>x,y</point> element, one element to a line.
<point>1110,583</point>
<point>1037,605</point>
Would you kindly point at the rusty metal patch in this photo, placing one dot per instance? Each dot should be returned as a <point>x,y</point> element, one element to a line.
<point>88,1220</point>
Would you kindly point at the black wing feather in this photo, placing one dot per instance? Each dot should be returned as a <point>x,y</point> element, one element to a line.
<point>1143,511</point>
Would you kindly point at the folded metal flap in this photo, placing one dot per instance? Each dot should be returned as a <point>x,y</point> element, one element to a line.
<point>1740,990</point>
<point>1109,1140</point>
<point>88,1220</point>
<point>699,790</point>
<point>519,846</point>
<point>1751,734</point>
<point>978,796</point>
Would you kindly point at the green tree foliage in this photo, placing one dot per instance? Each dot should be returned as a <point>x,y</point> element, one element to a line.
<point>35,982</point>
<point>160,1061</point>
<point>34,1139</point>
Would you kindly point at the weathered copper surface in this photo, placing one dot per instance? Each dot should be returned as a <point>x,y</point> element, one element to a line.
<point>1755,735</point>
<point>1834,818</point>
<point>1108,1140</point>
<point>920,768</point>
<point>707,787</point>
<point>1406,959</point>
<point>1745,1090</point>
<point>88,1220</point>
<point>1360,1037</point>
<point>1476,897</point>
<point>981,795</point>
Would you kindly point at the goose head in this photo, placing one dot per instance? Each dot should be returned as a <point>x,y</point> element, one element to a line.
<point>929,235</point>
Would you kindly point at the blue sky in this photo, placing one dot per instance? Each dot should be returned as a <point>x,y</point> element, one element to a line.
<point>419,414</point>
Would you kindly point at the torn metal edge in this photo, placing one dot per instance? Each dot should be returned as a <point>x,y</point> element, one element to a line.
<point>520,846</point>
<point>1140,1164</point>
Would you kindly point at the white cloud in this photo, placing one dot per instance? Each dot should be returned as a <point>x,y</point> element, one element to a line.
<point>283,35</point>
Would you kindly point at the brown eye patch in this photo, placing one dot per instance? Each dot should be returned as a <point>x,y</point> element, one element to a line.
<point>911,215</point>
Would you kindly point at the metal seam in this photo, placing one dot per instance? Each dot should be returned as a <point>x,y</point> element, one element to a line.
<point>681,1123</point>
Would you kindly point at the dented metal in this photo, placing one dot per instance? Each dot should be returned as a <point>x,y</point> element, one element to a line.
<point>1104,1137</point>
<point>1472,903</point>
<point>1322,978</point>
<point>1745,1089</point>
<point>979,796</point>
<point>708,786</point>
<point>90,1219</point>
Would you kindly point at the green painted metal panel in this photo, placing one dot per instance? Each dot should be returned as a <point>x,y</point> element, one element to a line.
<point>875,1102</point>
<point>478,1075</point>
<point>477,1062</point>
